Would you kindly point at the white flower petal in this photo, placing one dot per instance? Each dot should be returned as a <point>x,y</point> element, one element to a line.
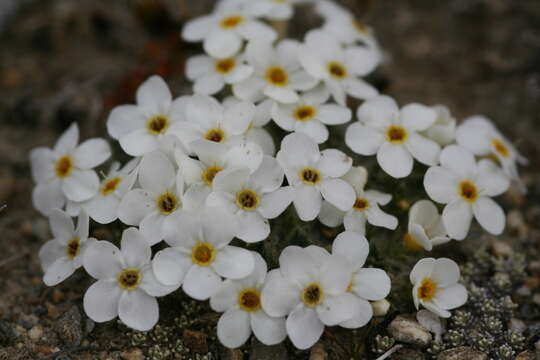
<point>101,300</point>
<point>152,286</point>
<point>334,163</point>
<point>138,310</point>
<point>156,172</point>
<point>269,175</point>
<point>102,260</point>
<point>363,140</point>
<point>338,308</point>
<point>457,217</point>
<point>240,73</point>
<point>91,153</point>
<point>237,117</point>
<point>48,196</point>
<point>275,203</point>
<point>375,216</point>
<point>249,89</point>
<point>298,267</point>
<point>233,262</point>
<point>201,282</point>
<point>339,193</point>
<point>154,227</point>
<point>445,272</point>
<point>81,185</point>
<point>41,164</point>
<point>102,209</point>
<point>218,227</point>
<point>492,181</point>
<point>61,225</point>
<point>208,84</point>
<point>279,296</point>
<point>58,271</point>
<point>222,44</point>
<point>257,31</point>
<point>234,328</point>
<point>423,268</point>
<point>378,112</point>
<point>171,266</point>
<point>135,206</point>
<point>352,246</point>
<point>245,155</point>
<point>125,119</point>
<point>395,160</point>
<point>417,117</point>
<point>441,184</point>
<point>490,215</point>
<point>67,142</point>
<point>298,151</point>
<point>355,221</point>
<point>459,160</point>
<point>423,149</point>
<point>135,249</point>
<point>198,66</point>
<point>361,60</point>
<point>227,296</point>
<point>314,129</point>
<point>335,274</point>
<point>252,227</point>
<point>197,29</point>
<point>51,251</point>
<point>330,215</point>
<point>307,202</point>
<point>364,314</point>
<point>154,95</point>
<point>359,89</point>
<point>332,114</point>
<point>431,306</point>
<point>268,330</point>
<point>371,284</point>
<point>451,297</point>
<point>304,327</point>
<point>138,142</point>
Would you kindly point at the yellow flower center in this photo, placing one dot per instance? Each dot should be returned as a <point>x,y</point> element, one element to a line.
<point>129,279</point>
<point>467,190</point>
<point>313,295</point>
<point>337,70</point>
<point>305,113</point>
<point>210,173</point>
<point>310,176</point>
<point>411,243</point>
<point>361,204</point>
<point>110,186</point>
<point>249,300</point>
<point>247,199</point>
<point>73,248</point>
<point>167,203</point>
<point>276,75</point>
<point>350,286</point>
<point>215,135</point>
<point>225,66</point>
<point>231,22</point>
<point>64,166</point>
<point>500,148</point>
<point>427,289</point>
<point>396,134</point>
<point>360,27</point>
<point>157,124</point>
<point>203,254</point>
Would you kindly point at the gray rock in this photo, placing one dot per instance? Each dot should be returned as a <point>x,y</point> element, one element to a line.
<point>408,354</point>
<point>69,327</point>
<point>526,355</point>
<point>260,351</point>
<point>407,330</point>
<point>462,353</point>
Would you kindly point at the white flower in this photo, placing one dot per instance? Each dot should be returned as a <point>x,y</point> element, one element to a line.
<point>199,174</point>
<point>393,135</point>
<point>366,284</point>
<point>479,135</point>
<point>426,228</point>
<point>313,173</point>
<point>65,172</point>
<point>466,187</point>
<point>207,119</point>
<point>200,254</point>
<point>141,128</point>
<point>61,256</point>
<point>274,9</point>
<point>310,289</point>
<point>256,132</point>
<point>126,285</point>
<point>252,198</point>
<point>224,31</point>
<point>310,115</point>
<point>103,207</point>
<point>211,75</point>
<point>443,130</point>
<point>160,196</point>
<point>330,10</point>
<point>277,73</point>
<point>240,300</point>
<point>435,286</point>
<point>365,207</point>
<point>431,322</point>
<point>340,69</point>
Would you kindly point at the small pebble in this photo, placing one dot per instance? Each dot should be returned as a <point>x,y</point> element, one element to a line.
<point>35,333</point>
<point>407,330</point>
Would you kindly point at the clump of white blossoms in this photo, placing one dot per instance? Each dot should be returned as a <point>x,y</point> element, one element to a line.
<point>213,176</point>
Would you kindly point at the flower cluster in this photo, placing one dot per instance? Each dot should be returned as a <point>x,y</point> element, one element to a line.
<point>206,171</point>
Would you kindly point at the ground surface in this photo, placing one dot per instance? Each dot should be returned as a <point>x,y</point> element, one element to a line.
<point>64,61</point>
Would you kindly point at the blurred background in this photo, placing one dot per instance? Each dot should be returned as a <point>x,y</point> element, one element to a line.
<point>71,60</point>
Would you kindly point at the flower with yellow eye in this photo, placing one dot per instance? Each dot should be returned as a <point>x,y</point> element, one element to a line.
<point>274,9</point>
<point>200,254</point>
<point>65,172</point>
<point>277,73</point>
<point>240,302</point>
<point>160,196</point>
<point>310,115</point>
<point>366,207</point>
<point>61,256</point>
<point>426,228</point>
<point>340,69</point>
<point>480,136</point>
<point>435,286</point>
<point>142,128</point>
<point>209,120</point>
<point>315,175</point>
<point>224,31</point>
<point>103,207</point>
<point>252,198</point>
<point>466,187</point>
<point>311,290</point>
<point>393,134</point>
<point>126,286</point>
<point>211,75</point>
